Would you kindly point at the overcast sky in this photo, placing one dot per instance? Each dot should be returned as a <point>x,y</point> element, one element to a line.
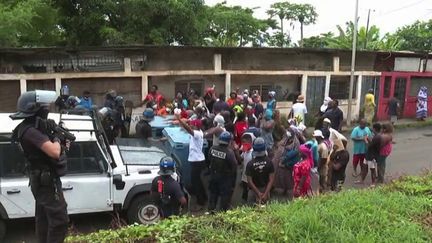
<point>388,15</point>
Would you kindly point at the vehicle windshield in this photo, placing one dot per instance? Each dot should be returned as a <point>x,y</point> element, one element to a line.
<point>139,152</point>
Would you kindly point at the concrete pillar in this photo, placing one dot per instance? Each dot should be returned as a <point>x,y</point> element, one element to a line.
<point>336,64</point>
<point>227,84</point>
<point>144,86</point>
<point>327,85</point>
<point>23,85</point>
<point>217,62</point>
<point>304,85</point>
<point>358,94</point>
<point>127,65</point>
<point>58,84</point>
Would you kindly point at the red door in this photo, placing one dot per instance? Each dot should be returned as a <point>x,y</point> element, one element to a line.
<point>393,85</point>
<point>385,93</point>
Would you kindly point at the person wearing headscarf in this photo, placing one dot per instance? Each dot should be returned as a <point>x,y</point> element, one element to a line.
<point>301,173</point>
<point>271,104</point>
<point>369,106</point>
<point>324,106</point>
<point>339,159</point>
<point>422,99</point>
<point>286,155</point>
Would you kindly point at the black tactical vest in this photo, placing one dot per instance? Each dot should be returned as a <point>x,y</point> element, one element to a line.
<point>219,163</point>
<point>36,158</point>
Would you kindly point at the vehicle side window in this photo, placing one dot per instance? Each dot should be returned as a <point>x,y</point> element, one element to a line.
<point>85,157</point>
<point>12,161</point>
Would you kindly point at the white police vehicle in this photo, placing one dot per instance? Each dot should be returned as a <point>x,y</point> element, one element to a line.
<point>100,178</point>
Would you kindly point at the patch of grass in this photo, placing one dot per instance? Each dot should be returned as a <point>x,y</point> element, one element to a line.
<point>399,212</point>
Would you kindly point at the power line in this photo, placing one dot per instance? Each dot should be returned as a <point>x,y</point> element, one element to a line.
<point>401,8</point>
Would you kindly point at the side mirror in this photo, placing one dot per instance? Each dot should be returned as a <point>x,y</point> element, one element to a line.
<point>118,182</point>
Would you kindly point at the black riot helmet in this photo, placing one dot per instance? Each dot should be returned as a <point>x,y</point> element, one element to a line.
<point>31,102</point>
<point>166,166</point>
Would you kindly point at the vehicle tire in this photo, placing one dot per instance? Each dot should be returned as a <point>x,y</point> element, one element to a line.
<point>143,211</point>
<point>2,229</point>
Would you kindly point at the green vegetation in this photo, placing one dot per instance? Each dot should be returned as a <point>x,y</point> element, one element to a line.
<point>399,212</point>
<point>39,23</point>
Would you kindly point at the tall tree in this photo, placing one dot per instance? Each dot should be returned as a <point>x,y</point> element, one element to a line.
<point>305,14</point>
<point>416,37</point>
<point>235,26</point>
<point>282,11</point>
<point>28,23</point>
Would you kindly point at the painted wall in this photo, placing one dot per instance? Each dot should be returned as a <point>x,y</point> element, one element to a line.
<point>9,93</point>
<point>166,84</point>
<point>129,88</point>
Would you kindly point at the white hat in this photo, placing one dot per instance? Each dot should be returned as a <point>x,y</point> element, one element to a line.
<point>219,120</point>
<point>318,133</point>
<point>327,120</point>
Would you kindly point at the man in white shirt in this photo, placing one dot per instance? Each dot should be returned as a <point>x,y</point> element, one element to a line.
<point>196,159</point>
<point>299,110</point>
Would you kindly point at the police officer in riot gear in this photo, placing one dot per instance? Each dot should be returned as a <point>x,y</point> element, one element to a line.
<point>223,168</point>
<point>45,154</point>
<point>167,192</point>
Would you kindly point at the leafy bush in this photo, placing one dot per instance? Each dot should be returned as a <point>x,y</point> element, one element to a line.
<point>393,213</point>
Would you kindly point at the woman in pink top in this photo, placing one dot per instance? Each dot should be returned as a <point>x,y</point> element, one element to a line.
<point>385,150</point>
<point>301,172</point>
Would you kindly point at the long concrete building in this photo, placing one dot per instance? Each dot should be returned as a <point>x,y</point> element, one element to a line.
<point>316,73</point>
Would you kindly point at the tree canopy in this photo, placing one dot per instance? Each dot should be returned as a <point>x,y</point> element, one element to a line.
<point>35,23</point>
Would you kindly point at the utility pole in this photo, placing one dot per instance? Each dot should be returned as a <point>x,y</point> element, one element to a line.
<point>353,59</point>
<point>367,29</point>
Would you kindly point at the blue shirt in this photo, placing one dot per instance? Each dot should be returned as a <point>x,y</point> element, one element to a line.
<point>86,103</point>
<point>315,153</point>
<point>360,147</point>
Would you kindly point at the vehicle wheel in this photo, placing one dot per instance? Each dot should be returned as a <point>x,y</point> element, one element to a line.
<point>143,211</point>
<point>2,229</point>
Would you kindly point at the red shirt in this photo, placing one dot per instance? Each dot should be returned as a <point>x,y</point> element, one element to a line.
<point>239,128</point>
<point>156,97</point>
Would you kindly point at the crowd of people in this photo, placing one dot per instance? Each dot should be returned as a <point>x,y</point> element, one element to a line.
<point>272,155</point>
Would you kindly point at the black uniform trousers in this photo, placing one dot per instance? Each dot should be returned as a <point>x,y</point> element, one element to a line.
<point>51,212</point>
<point>220,186</point>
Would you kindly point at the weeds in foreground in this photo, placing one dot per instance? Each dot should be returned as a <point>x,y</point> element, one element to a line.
<point>399,212</point>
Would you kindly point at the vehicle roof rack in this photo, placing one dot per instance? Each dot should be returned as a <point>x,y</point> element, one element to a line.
<point>97,128</point>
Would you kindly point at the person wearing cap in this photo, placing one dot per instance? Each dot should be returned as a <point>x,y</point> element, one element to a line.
<point>359,136</point>
<point>196,159</point>
<point>325,128</point>
<point>260,173</point>
<point>143,128</point>
<point>216,130</point>
<point>299,110</point>
<point>166,191</point>
<point>223,168</point>
<point>323,153</point>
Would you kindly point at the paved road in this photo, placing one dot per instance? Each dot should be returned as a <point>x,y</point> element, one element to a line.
<point>410,156</point>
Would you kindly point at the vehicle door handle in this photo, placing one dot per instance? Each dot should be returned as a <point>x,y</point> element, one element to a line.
<point>68,188</point>
<point>13,191</point>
